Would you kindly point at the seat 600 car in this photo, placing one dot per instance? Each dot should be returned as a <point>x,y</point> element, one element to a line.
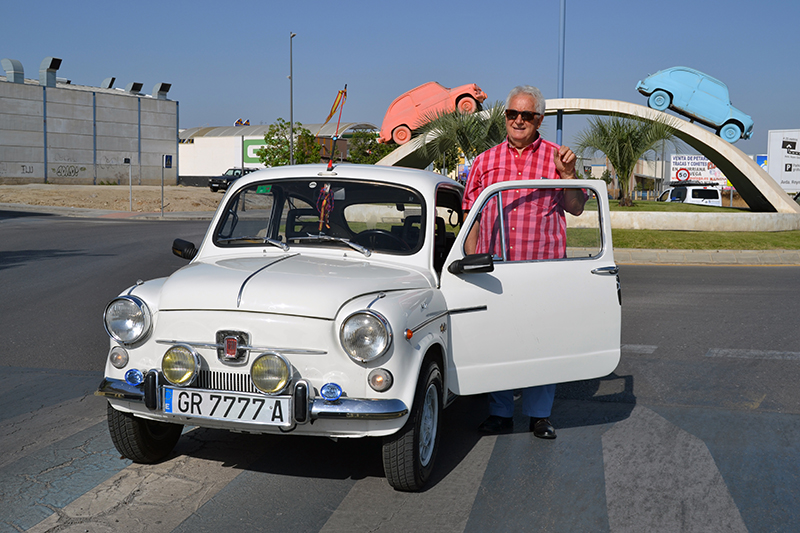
<point>340,303</point>
<point>698,96</point>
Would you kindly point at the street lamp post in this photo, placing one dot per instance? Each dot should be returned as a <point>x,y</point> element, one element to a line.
<point>291,102</point>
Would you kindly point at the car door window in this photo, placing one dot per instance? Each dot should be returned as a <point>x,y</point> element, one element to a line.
<point>536,225</point>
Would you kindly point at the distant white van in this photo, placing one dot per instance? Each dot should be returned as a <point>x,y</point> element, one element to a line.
<point>693,194</point>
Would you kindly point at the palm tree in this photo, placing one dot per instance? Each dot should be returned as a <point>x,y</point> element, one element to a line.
<point>445,134</point>
<point>624,141</point>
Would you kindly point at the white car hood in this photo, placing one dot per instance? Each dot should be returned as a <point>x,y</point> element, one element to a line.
<point>298,285</point>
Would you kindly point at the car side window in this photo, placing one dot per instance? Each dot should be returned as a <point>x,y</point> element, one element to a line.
<point>683,77</point>
<point>715,89</point>
<point>538,224</point>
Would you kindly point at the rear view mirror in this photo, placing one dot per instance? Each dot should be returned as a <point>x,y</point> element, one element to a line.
<point>474,263</point>
<point>184,249</point>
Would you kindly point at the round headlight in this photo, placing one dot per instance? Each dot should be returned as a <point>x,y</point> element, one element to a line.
<point>180,365</point>
<point>365,335</point>
<point>127,319</point>
<point>271,373</point>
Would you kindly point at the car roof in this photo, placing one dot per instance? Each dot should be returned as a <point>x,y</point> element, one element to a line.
<point>421,180</point>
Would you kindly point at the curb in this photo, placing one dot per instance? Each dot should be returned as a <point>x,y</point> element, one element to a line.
<point>622,256</point>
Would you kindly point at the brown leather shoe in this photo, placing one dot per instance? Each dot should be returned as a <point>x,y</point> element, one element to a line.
<point>542,428</point>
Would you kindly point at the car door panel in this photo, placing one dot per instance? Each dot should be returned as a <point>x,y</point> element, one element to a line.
<point>534,322</point>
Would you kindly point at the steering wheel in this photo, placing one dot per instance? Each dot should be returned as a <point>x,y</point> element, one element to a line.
<point>370,238</point>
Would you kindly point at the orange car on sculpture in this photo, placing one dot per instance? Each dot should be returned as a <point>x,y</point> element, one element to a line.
<point>408,109</point>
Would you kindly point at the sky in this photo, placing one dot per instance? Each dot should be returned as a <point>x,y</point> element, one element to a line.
<point>230,60</point>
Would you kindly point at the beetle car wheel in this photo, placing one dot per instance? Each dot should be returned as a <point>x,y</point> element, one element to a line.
<point>401,134</point>
<point>140,440</point>
<point>409,454</point>
<point>467,105</point>
<point>730,132</point>
<point>659,100</point>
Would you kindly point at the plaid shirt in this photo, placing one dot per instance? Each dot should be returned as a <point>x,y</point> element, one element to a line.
<point>534,218</point>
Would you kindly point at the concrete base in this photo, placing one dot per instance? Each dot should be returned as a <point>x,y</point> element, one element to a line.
<point>706,221</point>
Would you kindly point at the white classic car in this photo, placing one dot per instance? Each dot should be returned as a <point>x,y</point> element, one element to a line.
<point>340,303</point>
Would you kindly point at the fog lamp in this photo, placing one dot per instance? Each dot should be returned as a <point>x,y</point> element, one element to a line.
<point>380,380</point>
<point>134,377</point>
<point>180,365</point>
<point>118,357</point>
<point>330,392</point>
<point>271,373</point>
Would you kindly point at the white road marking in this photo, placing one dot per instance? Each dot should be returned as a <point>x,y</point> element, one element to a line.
<point>661,478</point>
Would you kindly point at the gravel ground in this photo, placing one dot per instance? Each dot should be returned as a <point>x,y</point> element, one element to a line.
<point>146,198</point>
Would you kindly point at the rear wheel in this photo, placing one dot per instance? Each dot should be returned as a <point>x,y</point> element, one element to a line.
<point>659,100</point>
<point>409,454</point>
<point>140,440</point>
<point>467,105</point>
<point>401,134</point>
<point>730,132</point>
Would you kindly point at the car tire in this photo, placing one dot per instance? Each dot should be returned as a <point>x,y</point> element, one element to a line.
<point>409,454</point>
<point>659,100</point>
<point>140,440</point>
<point>213,189</point>
<point>467,105</point>
<point>730,132</point>
<point>401,134</point>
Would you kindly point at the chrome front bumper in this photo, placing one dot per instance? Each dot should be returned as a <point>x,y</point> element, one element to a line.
<point>305,407</point>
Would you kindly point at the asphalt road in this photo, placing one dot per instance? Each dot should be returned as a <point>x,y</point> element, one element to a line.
<point>696,430</point>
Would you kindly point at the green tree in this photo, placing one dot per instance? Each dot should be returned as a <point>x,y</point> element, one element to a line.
<point>624,141</point>
<point>363,148</point>
<point>277,147</point>
<point>445,135</point>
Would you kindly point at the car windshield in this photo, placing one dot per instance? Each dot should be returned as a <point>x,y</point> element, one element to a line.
<point>365,216</point>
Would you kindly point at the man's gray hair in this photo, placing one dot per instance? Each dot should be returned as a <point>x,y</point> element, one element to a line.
<point>531,91</point>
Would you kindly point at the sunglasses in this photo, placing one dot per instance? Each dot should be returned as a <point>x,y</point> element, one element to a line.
<point>527,116</point>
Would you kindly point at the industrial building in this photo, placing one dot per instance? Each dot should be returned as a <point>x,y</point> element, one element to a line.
<point>53,131</point>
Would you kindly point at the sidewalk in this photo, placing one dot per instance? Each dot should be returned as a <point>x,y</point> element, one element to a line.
<point>622,256</point>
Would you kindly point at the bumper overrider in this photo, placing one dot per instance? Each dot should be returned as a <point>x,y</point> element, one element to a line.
<point>305,407</point>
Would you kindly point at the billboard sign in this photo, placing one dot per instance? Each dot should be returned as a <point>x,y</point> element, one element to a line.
<point>695,168</point>
<point>783,158</point>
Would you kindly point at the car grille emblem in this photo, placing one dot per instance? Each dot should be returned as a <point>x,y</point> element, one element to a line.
<point>232,346</point>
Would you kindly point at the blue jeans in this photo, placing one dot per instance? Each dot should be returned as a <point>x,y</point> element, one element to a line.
<point>537,402</point>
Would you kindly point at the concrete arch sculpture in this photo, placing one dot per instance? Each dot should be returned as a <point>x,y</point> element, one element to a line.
<point>756,187</point>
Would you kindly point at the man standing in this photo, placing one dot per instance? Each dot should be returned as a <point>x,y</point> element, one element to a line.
<point>535,222</point>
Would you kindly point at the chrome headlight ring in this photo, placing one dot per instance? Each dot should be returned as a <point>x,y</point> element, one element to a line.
<point>127,320</point>
<point>365,335</point>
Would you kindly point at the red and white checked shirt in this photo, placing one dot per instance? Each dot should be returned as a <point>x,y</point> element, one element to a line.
<point>534,219</point>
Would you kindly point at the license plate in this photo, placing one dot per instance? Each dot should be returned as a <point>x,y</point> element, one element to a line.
<point>233,406</point>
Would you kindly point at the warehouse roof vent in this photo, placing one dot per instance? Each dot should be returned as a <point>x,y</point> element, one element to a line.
<point>108,83</point>
<point>134,87</point>
<point>160,90</point>
<point>47,71</point>
<point>14,71</point>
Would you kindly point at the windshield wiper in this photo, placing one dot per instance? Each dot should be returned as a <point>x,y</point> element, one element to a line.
<point>266,240</point>
<point>355,246</point>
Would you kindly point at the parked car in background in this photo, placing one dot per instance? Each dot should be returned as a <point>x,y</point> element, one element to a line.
<point>698,96</point>
<point>693,194</point>
<point>408,109</point>
<point>221,183</point>
<point>340,303</point>
<point>797,197</point>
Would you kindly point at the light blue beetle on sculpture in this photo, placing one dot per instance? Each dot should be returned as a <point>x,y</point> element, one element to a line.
<point>698,96</point>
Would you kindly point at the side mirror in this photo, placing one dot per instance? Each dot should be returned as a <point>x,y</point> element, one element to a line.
<point>184,249</point>
<point>474,263</point>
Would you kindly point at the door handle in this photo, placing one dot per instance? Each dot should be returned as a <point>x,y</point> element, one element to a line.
<point>606,271</point>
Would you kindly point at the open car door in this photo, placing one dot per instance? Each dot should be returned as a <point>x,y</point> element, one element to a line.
<point>532,321</point>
